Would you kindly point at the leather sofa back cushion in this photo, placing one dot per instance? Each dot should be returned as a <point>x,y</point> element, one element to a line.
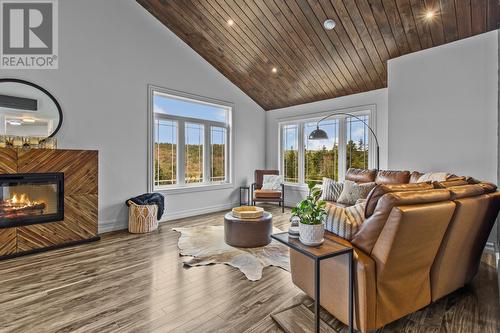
<point>380,190</point>
<point>361,175</point>
<point>392,177</point>
<point>459,181</point>
<point>465,191</point>
<point>370,230</point>
<point>488,187</point>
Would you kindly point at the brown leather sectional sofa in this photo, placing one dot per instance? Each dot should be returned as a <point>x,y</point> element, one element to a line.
<point>419,242</point>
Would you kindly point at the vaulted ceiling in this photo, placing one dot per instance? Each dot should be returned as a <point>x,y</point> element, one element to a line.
<point>279,53</point>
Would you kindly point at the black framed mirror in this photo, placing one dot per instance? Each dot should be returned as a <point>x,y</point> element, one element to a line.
<point>28,110</point>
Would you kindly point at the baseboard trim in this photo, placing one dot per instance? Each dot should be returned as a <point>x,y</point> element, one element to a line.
<point>115,225</point>
<point>197,211</point>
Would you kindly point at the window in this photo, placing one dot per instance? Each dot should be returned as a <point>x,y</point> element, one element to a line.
<point>290,138</point>
<point>304,160</point>
<point>190,140</point>
<point>357,143</point>
<point>321,157</point>
<point>165,152</point>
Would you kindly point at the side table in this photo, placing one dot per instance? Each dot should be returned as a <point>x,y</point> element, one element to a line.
<point>242,191</point>
<point>328,249</point>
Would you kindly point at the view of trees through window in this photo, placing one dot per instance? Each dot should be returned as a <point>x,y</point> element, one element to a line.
<point>194,153</point>
<point>321,157</point>
<point>290,137</point>
<point>357,143</point>
<point>165,152</point>
<point>203,141</point>
<point>218,153</point>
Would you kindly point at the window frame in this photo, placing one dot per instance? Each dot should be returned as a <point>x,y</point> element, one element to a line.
<point>181,186</point>
<point>369,110</point>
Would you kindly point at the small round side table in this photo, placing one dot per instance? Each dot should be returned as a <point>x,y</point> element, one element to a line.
<point>248,232</point>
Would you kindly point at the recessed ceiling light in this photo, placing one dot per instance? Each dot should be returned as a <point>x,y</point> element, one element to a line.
<point>230,22</point>
<point>429,14</point>
<point>274,70</point>
<point>329,24</point>
<point>28,120</point>
<point>15,122</point>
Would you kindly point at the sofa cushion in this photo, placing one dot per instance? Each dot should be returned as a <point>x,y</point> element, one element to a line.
<point>392,177</point>
<point>344,221</point>
<point>451,182</point>
<point>372,227</point>
<point>266,194</point>
<point>330,189</point>
<point>488,187</point>
<point>361,175</point>
<point>380,190</point>
<point>352,192</point>
<point>465,191</point>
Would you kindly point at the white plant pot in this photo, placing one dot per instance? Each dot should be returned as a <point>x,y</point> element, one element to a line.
<point>311,234</point>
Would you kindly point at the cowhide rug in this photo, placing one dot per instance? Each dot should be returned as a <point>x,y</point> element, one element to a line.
<point>204,245</point>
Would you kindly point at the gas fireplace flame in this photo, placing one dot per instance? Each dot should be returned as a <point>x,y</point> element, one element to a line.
<point>22,200</point>
<point>20,205</point>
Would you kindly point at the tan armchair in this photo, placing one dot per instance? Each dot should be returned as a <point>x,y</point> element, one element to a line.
<point>259,195</point>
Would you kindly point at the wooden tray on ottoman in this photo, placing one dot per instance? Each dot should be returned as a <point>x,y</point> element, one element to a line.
<point>248,212</point>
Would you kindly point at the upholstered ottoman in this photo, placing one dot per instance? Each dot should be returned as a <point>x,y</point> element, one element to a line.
<point>248,232</point>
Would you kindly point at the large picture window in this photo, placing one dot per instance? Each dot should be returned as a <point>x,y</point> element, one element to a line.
<point>190,141</point>
<point>303,160</point>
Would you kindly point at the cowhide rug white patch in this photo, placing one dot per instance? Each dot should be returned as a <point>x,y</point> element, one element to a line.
<point>204,245</point>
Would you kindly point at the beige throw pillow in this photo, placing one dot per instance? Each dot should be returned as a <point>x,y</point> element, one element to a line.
<point>345,221</point>
<point>352,192</point>
<point>433,177</point>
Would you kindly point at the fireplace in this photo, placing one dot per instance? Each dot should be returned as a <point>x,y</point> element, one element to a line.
<point>31,198</point>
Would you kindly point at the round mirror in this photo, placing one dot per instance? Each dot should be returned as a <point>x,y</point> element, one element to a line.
<point>28,110</point>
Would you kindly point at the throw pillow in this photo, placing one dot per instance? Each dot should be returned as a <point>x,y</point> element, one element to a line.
<point>344,221</point>
<point>433,177</point>
<point>352,192</point>
<point>272,182</point>
<point>330,190</point>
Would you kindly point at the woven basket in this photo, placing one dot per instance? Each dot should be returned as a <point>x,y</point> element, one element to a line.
<point>142,218</point>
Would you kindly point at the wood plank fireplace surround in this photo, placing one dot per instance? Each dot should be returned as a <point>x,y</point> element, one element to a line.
<point>48,199</point>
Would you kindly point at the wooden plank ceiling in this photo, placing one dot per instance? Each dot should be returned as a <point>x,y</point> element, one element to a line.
<point>246,39</point>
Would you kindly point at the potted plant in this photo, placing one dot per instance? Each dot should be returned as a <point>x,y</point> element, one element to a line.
<point>312,215</point>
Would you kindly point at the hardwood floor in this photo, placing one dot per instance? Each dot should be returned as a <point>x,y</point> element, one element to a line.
<point>136,283</point>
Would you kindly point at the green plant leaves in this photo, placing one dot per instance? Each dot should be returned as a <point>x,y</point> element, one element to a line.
<point>311,210</point>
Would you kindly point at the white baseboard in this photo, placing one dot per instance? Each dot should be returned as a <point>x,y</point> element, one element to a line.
<point>115,225</point>
<point>169,216</point>
<point>111,225</point>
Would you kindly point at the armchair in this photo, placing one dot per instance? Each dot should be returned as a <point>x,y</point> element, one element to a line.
<point>259,195</point>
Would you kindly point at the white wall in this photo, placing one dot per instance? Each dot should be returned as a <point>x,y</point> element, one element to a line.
<point>443,108</point>
<point>274,117</point>
<point>109,51</point>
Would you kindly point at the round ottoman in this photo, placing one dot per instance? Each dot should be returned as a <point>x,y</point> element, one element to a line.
<point>248,232</point>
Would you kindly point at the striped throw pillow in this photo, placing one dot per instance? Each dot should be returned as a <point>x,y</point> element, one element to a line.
<point>330,190</point>
<point>345,221</point>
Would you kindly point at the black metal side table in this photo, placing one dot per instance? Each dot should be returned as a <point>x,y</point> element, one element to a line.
<point>242,190</point>
<point>328,249</point>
